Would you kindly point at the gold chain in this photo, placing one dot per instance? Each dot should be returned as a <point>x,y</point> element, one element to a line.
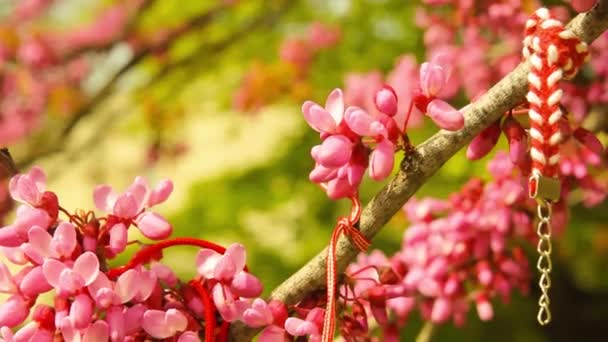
<point>544,264</point>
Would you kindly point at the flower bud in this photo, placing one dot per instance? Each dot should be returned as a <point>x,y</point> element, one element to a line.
<point>483,143</point>
<point>386,100</point>
<point>516,136</point>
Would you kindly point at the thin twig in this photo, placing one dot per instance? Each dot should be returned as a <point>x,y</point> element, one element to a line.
<point>419,165</point>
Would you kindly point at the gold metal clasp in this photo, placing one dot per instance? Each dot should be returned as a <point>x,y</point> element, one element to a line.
<point>544,188</point>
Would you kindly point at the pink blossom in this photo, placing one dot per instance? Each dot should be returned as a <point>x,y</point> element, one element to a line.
<point>33,282</point>
<point>258,315</point>
<point>96,332</point>
<point>28,188</point>
<point>229,270</point>
<point>27,217</point>
<point>484,142</point>
<point>386,100</point>
<point>484,308</point>
<point>444,115</point>
<point>434,76</point>
<point>13,311</point>
<point>129,207</point>
<point>228,304</point>
<point>381,160</point>
<point>69,279</point>
<point>325,120</point>
<point>517,139</point>
<point>310,326</point>
<point>164,324</point>
<point>335,151</point>
<point>42,245</point>
<point>233,281</point>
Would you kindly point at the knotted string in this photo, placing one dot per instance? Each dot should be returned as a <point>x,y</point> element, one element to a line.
<point>554,53</point>
<point>344,226</point>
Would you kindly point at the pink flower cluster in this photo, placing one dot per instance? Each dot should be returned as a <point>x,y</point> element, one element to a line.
<point>354,138</point>
<point>69,258</point>
<point>456,253</point>
<point>137,301</point>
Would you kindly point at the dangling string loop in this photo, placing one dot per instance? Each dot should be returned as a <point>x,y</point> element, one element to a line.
<point>554,53</point>
<point>346,226</point>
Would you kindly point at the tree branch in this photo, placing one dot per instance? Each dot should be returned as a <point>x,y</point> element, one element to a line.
<point>419,165</point>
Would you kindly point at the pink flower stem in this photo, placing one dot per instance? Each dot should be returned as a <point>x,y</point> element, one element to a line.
<point>409,113</point>
<point>74,219</point>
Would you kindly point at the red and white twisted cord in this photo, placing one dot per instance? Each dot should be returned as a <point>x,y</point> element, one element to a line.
<point>555,53</point>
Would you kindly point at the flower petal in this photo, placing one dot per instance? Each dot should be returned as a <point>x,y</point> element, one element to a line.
<point>359,121</point>
<point>299,327</point>
<point>118,238</point>
<point>34,283</point>
<point>126,206</point>
<point>52,270</point>
<point>273,333</point>
<point>154,226</point>
<point>39,245</point>
<point>445,116</point>
<point>432,79</point>
<point>13,311</point>
<point>206,262</point>
<point>64,239</point>
<point>97,332</point>
<point>236,252</point>
<point>153,323</point>
<point>160,194</point>
<point>382,160</point>
<point>335,151</point>
<point>246,285</point>
<point>104,198</point>
<point>335,105</point>
<point>81,311</point>
<point>175,320</point>
<point>318,118</point>
<point>87,266</point>
<point>126,287</point>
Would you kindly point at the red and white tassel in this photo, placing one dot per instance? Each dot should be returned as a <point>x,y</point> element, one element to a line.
<point>554,53</point>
